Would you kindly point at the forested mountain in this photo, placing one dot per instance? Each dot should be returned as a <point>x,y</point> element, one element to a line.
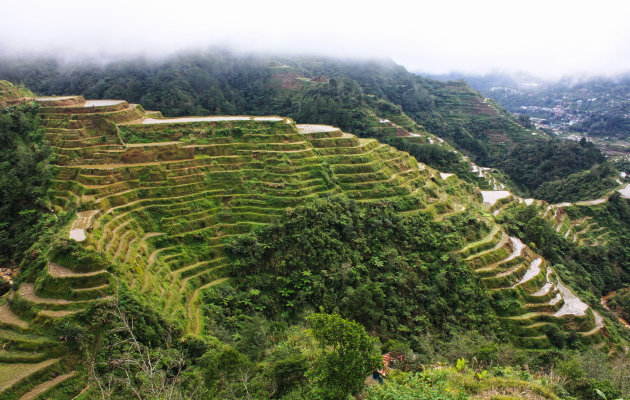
<point>356,96</point>
<point>261,257</point>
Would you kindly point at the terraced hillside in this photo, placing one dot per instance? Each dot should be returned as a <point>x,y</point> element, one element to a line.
<point>157,198</point>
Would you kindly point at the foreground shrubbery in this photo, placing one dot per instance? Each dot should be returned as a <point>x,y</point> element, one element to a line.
<point>131,353</point>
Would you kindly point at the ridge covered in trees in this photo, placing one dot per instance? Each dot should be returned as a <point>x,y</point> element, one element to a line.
<point>356,96</point>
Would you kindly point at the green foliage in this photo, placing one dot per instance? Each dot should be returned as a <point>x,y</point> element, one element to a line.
<point>367,262</point>
<point>461,364</point>
<point>586,185</point>
<point>26,172</point>
<point>349,355</point>
<point>8,92</point>
<point>532,164</point>
<point>445,383</point>
<point>74,255</point>
<point>433,385</point>
<point>620,302</point>
<point>129,352</point>
<point>435,156</point>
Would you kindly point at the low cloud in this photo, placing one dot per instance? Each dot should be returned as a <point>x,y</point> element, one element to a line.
<point>545,38</point>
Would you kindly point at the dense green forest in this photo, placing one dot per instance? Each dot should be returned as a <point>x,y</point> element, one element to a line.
<point>592,184</point>
<point>26,171</point>
<point>535,163</point>
<point>352,260</point>
<point>352,95</point>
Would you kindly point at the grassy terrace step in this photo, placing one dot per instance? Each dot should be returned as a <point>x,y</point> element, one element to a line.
<point>9,319</point>
<point>488,241</point>
<point>405,187</point>
<point>19,356</point>
<point>61,282</point>
<point>199,276</point>
<point>194,314</point>
<point>372,166</point>
<point>500,251</point>
<point>205,181</point>
<point>26,292</point>
<point>281,201</point>
<point>57,313</point>
<point>533,278</point>
<point>554,304</point>
<point>395,177</point>
<point>23,341</point>
<point>199,178</point>
<point>225,229</point>
<point>13,374</point>
<point>506,278</point>
<point>502,267</point>
<point>118,116</point>
<point>364,146</point>
<point>58,271</point>
<point>45,386</point>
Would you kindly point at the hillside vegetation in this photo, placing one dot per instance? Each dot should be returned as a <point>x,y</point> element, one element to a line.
<point>253,257</point>
<point>26,172</point>
<point>376,99</point>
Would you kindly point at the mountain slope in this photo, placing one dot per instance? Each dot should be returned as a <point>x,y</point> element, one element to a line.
<point>157,200</point>
<point>359,97</point>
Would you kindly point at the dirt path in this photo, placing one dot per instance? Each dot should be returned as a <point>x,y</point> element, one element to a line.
<point>604,301</point>
<point>58,271</point>
<point>27,292</point>
<point>10,374</point>
<point>7,317</point>
<point>39,389</point>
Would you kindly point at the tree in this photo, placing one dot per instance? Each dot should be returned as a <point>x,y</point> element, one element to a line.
<point>349,356</point>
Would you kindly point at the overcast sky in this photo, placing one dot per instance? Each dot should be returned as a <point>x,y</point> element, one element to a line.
<point>549,38</point>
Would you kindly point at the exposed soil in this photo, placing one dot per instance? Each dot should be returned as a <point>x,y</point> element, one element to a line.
<point>495,136</point>
<point>39,389</point>
<point>102,103</point>
<point>10,374</point>
<point>491,196</point>
<point>7,317</point>
<point>604,301</point>
<point>58,271</point>
<point>27,291</point>
<point>303,128</point>
<point>572,304</point>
